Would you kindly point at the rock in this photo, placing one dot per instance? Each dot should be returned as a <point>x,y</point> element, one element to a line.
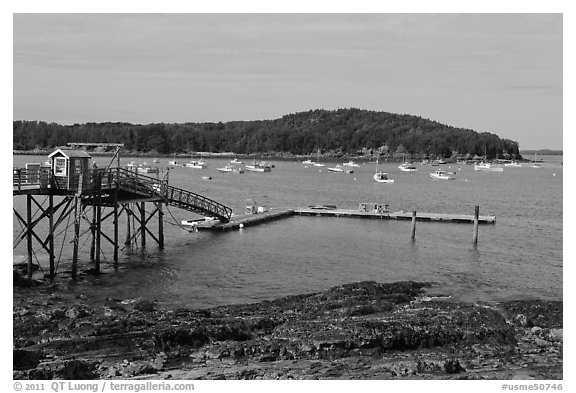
<point>76,312</point>
<point>453,366</point>
<point>541,343</point>
<point>521,320</point>
<point>536,330</point>
<point>24,359</point>
<point>65,369</point>
<point>555,335</point>
<point>58,314</point>
<point>145,305</point>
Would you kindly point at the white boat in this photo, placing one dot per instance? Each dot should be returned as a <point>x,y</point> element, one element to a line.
<point>537,164</point>
<point>308,162</point>
<point>513,164</point>
<point>407,167</point>
<point>351,164</point>
<point>197,164</point>
<point>382,177</point>
<point>337,168</point>
<point>318,164</point>
<point>488,167</point>
<point>258,167</point>
<point>141,168</point>
<point>230,169</point>
<point>441,175</point>
<point>235,161</point>
<point>174,163</point>
<point>156,161</point>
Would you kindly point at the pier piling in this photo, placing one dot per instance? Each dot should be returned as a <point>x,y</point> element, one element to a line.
<point>29,234</point>
<point>476,215</point>
<point>51,235</point>
<point>414,225</point>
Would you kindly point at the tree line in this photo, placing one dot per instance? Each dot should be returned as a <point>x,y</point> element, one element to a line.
<point>338,132</point>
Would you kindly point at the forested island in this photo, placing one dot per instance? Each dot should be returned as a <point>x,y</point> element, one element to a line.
<point>330,132</point>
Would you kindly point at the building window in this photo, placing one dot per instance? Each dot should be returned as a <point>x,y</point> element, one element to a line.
<point>60,166</point>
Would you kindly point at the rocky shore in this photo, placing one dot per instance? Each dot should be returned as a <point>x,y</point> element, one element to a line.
<point>365,330</point>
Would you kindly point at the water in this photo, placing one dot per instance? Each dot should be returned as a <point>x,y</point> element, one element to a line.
<point>518,257</point>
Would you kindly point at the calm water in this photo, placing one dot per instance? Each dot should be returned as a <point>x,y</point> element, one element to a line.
<point>520,256</point>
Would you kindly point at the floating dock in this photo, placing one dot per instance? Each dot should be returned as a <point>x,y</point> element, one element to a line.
<point>237,222</point>
<point>420,216</point>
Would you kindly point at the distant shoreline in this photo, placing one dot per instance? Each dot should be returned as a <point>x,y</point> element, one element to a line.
<point>544,152</point>
<point>269,155</point>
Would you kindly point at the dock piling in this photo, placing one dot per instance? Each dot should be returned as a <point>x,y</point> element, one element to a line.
<point>51,235</point>
<point>77,218</point>
<point>414,225</point>
<point>476,215</point>
<point>29,234</point>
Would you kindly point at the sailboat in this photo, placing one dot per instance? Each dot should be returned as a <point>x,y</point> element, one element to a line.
<point>488,166</point>
<point>317,163</point>
<point>380,176</point>
<point>536,163</point>
<point>407,166</point>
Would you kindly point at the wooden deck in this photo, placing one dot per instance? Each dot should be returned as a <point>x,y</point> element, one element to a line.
<point>245,220</point>
<point>420,216</point>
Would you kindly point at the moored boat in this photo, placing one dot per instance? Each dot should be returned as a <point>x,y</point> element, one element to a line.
<point>197,164</point>
<point>488,167</point>
<point>258,167</point>
<point>382,177</point>
<point>142,168</point>
<point>230,169</point>
<point>351,164</point>
<point>337,168</point>
<point>441,175</point>
<point>407,167</point>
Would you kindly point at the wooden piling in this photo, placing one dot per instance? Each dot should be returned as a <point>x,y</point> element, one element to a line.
<point>98,203</point>
<point>128,237</point>
<point>29,234</point>
<point>414,225</point>
<point>143,223</point>
<point>160,226</point>
<point>77,218</point>
<point>116,227</point>
<point>93,228</point>
<point>51,235</point>
<point>476,215</point>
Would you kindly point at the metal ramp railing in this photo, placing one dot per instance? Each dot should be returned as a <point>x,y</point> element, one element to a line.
<point>146,185</point>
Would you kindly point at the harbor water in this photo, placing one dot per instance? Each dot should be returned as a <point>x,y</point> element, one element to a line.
<point>518,257</point>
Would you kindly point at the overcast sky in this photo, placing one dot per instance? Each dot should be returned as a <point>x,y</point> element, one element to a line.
<point>500,73</point>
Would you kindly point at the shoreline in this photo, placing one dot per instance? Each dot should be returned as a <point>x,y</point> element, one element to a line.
<point>280,156</point>
<point>364,330</point>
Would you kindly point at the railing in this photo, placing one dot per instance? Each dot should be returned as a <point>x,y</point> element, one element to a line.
<point>145,185</point>
<point>126,180</point>
<point>28,178</point>
<point>198,203</point>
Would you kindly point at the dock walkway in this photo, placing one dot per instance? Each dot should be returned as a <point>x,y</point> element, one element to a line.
<point>245,220</point>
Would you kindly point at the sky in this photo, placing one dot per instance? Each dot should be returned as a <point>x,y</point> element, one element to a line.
<point>498,73</point>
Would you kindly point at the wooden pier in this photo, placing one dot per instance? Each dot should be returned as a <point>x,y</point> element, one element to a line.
<point>79,191</point>
<point>420,216</point>
<point>245,220</point>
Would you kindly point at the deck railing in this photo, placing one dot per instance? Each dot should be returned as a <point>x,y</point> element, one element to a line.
<point>130,181</point>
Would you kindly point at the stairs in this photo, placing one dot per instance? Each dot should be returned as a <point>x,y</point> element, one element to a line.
<point>148,186</point>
